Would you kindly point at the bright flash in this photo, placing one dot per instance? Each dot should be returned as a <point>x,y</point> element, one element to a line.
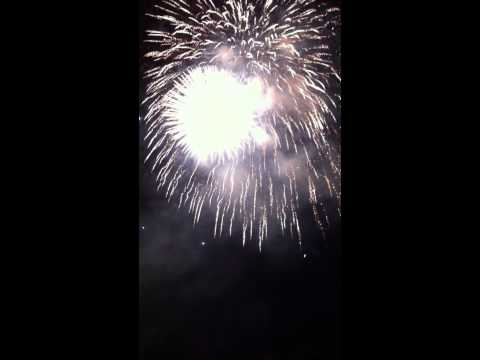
<point>212,114</point>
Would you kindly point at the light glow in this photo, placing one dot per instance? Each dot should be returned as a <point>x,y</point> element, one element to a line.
<point>213,115</point>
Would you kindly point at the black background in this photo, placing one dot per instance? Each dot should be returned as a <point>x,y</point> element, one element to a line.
<point>74,223</point>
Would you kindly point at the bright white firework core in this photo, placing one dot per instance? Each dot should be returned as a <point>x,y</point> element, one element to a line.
<point>213,115</point>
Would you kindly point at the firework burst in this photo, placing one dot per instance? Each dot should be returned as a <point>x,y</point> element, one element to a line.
<point>242,110</point>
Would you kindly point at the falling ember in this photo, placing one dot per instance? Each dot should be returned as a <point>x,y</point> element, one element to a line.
<point>242,111</point>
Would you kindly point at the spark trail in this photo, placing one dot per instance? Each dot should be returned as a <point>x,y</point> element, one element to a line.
<point>242,111</point>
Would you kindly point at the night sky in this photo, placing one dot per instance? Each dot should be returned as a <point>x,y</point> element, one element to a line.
<point>98,265</point>
<point>213,298</point>
<point>208,298</point>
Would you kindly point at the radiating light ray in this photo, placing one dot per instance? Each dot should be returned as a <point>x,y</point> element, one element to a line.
<point>242,111</point>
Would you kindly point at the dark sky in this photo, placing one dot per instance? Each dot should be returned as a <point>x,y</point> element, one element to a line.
<point>407,243</point>
<point>224,301</point>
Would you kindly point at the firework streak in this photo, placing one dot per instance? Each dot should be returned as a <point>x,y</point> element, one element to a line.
<point>242,111</point>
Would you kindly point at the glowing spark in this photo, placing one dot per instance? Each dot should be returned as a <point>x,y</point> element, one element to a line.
<point>242,111</point>
<point>212,115</point>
